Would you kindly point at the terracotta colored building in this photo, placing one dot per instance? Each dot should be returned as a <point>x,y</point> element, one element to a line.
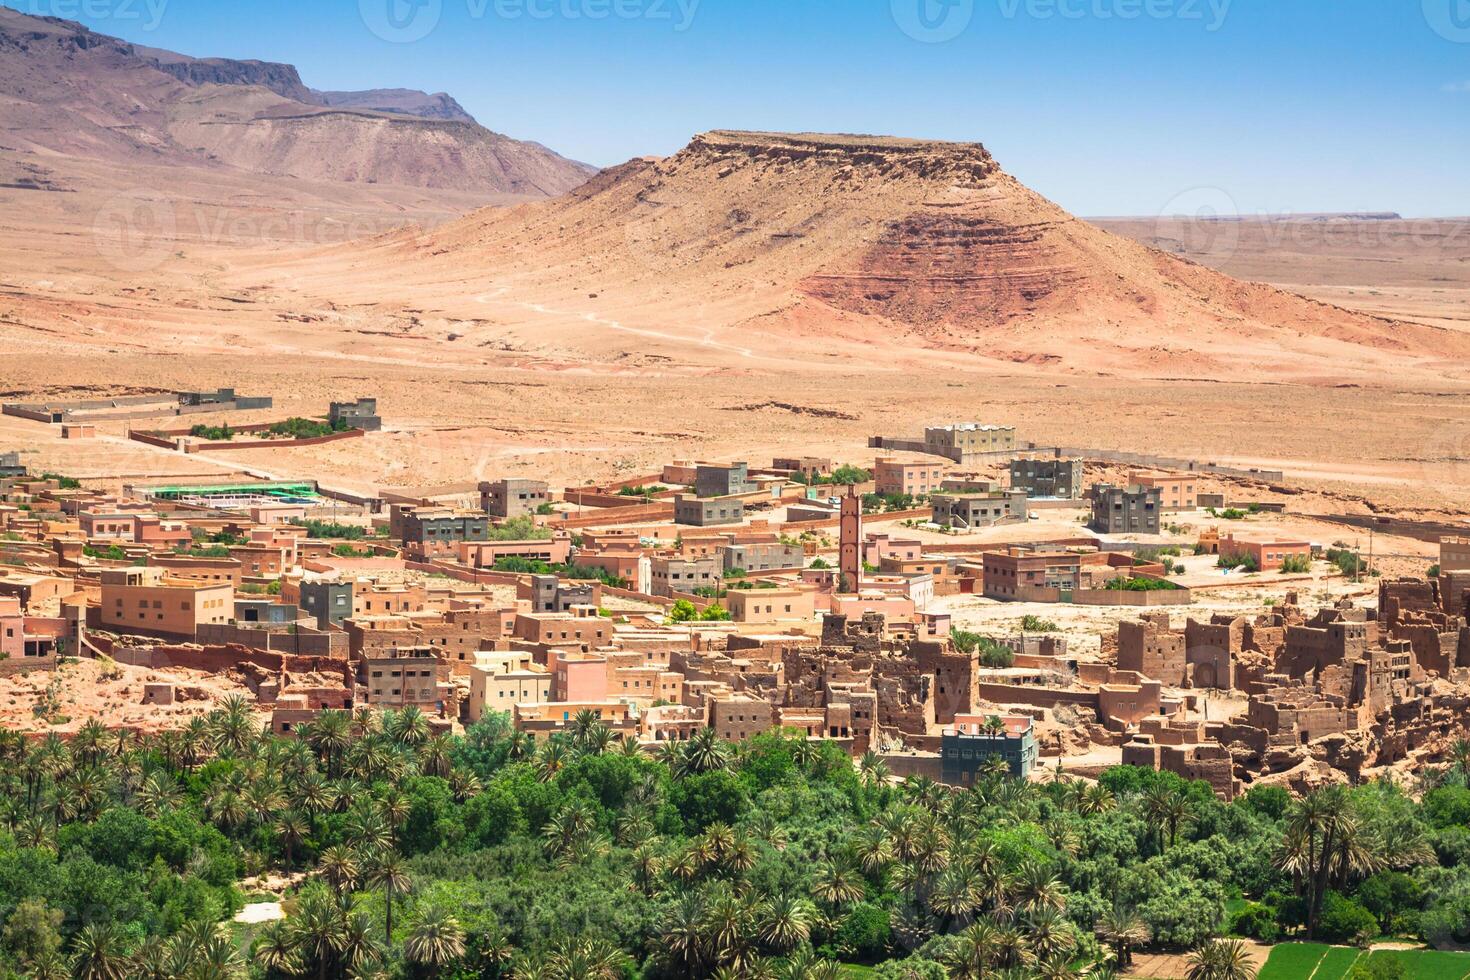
<point>1268,555</point>
<point>891,477</point>
<point>1175,492</point>
<point>143,600</point>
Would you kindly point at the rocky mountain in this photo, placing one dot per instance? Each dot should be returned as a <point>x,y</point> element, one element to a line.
<point>67,91</point>
<point>814,240</point>
<point>284,80</point>
<point>404,101</point>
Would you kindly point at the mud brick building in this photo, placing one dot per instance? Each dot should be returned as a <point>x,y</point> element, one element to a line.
<point>1149,647</point>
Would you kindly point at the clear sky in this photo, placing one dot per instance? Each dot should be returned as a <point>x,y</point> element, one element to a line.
<point>1109,107</point>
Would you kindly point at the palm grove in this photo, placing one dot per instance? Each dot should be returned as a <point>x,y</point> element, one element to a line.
<point>411,854</point>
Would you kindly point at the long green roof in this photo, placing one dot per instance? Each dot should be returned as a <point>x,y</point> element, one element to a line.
<point>287,489</point>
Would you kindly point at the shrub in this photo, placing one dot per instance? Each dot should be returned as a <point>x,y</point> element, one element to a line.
<point>330,529</point>
<point>1245,563</point>
<point>1345,921</point>
<point>1349,562</point>
<point>1378,968</point>
<point>1035,624</point>
<point>519,529</point>
<point>1394,899</point>
<point>1140,584</point>
<point>1296,564</point>
<point>1256,921</point>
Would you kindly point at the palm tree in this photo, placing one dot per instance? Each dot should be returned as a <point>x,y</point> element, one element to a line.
<point>292,828</point>
<point>330,736</point>
<point>338,865</point>
<point>396,808</point>
<point>586,958</point>
<point>98,953</point>
<point>1167,809</point>
<point>1460,755</point>
<point>1223,959</point>
<point>704,752</point>
<point>389,872</point>
<point>728,928</point>
<point>360,950</point>
<point>320,929</point>
<point>551,760</point>
<point>683,932</point>
<point>366,828</point>
<point>275,950</point>
<point>838,883</point>
<point>784,921</point>
<point>973,954</point>
<point>1122,929</point>
<point>409,727</point>
<point>1322,840</point>
<point>873,770</point>
<point>1097,798</point>
<point>435,940</point>
<point>434,757</point>
<point>1050,934</point>
<point>234,725</point>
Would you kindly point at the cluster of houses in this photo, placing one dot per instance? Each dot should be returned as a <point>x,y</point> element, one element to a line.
<point>800,595</point>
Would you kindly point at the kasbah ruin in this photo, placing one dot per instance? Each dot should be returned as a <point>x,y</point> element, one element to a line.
<point>952,600</point>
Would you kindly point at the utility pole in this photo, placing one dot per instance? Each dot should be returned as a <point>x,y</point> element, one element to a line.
<point>1370,552</point>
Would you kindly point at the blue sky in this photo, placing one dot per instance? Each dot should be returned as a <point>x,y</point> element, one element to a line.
<point>1107,106</point>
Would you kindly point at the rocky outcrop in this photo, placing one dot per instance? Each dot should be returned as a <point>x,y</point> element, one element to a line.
<point>403,101</point>
<point>284,80</point>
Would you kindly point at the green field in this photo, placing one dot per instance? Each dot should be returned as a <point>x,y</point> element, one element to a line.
<point>1315,961</point>
<point>1429,964</point>
<point>1336,964</point>
<point>1293,961</point>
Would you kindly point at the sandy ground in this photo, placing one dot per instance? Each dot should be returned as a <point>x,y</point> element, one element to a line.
<point>480,376</point>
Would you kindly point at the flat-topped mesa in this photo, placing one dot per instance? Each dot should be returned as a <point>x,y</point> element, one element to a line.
<point>927,159</point>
